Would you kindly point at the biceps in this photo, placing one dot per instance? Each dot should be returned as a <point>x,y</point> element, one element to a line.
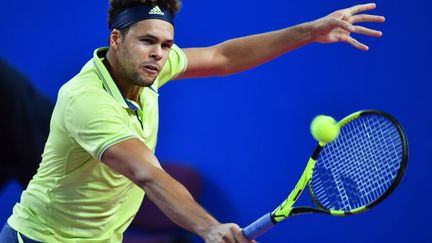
<point>204,62</point>
<point>133,159</point>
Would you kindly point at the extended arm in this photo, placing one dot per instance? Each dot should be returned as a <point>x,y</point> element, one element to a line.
<point>133,159</point>
<point>240,54</point>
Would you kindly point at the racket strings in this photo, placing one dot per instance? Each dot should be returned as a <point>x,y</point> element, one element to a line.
<point>358,167</point>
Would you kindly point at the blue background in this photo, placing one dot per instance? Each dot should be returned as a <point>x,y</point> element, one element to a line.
<point>248,134</point>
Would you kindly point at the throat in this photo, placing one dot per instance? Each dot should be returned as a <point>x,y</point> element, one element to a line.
<point>134,95</point>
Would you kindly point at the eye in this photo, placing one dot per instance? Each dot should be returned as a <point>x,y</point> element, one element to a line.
<point>147,41</point>
<point>167,45</point>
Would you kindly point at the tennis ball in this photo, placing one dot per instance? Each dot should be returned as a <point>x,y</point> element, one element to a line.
<point>324,128</point>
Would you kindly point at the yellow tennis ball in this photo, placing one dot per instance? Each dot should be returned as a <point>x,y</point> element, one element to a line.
<point>324,128</point>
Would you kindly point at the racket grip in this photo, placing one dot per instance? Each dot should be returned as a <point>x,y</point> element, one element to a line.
<point>259,227</point>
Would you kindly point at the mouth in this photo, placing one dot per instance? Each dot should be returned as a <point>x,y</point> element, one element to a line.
<point>152,69</point>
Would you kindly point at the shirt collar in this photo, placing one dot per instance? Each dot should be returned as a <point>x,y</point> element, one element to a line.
<point>108,82</point>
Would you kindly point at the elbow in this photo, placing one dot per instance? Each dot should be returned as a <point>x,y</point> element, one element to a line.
<point>141,176</point>
<point>222,61</point>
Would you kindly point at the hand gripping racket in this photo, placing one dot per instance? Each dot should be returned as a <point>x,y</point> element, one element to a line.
<point>350,174</point>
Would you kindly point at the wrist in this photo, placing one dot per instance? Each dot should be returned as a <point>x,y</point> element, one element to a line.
<point>305,30</point>
<point>206,231</point>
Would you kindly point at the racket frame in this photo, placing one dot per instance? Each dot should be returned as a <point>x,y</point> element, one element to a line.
<point>286,209</point>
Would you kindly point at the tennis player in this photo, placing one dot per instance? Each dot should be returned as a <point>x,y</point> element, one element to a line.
<point>99,158</point>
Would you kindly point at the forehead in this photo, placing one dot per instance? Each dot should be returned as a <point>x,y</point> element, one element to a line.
<point>155,27</point>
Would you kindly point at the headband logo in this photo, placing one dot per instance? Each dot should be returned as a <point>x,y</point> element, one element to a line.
<point>156,10</point>
<point>132,15</point>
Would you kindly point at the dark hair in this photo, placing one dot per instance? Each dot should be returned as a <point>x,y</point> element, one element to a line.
<point>116,6</point>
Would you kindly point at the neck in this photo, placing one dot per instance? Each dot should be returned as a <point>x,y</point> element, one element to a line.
<point>129,90</point>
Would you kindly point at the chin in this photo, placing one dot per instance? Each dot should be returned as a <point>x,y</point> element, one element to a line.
<point>149,83</point>
<point>144,83</point>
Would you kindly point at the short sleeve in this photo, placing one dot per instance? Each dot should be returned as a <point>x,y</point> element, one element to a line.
<point>175,65</point>
<point>96,122</point>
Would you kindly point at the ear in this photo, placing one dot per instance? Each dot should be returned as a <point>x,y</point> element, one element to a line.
<point>115,38</point>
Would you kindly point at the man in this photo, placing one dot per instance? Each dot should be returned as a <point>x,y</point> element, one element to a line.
<point>99,158</point>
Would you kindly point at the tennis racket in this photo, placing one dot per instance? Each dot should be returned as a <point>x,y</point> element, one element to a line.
<point>349,175</point>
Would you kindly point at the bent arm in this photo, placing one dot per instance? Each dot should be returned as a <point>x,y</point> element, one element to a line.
<point>136,161</point>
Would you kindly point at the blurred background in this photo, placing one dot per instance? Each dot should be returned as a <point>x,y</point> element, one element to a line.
<point>248,134</point>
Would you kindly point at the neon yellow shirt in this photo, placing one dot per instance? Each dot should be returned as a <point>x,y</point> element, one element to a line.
<point>74,197</point>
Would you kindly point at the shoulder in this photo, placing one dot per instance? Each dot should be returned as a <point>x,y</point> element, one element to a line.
<point>175,65</point>
<point>178,59</point>
<point>86,83</point>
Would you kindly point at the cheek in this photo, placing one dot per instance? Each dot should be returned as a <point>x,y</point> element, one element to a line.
<point>139,50</point>
<point>132,55</point>
<point>165,56</point>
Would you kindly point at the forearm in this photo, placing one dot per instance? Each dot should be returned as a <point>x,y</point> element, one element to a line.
<point>135,161</point>
<point>247,52</point>
<point>177,203</point>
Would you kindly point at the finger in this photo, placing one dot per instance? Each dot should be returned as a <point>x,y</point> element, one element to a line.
<point>366,31</point>
<point>238,234</point>
<point>362,7</point>
<point>344,25</point>
<point>367,18</point>
<point>357,44</point>
<point>230,237</point>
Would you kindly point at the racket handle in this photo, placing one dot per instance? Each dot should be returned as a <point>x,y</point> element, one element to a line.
<point>259,227</point>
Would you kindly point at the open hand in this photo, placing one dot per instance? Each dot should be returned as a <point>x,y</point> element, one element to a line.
<point>337,26</point>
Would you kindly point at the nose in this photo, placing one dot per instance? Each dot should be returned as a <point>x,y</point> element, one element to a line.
<point>156,52</point>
